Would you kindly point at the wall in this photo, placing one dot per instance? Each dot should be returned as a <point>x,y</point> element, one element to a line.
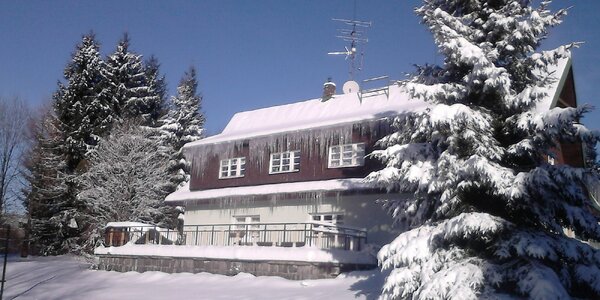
<point>569,153</point>
<point>313,160</point>
<point>359,211</point>
<point>289,270</point>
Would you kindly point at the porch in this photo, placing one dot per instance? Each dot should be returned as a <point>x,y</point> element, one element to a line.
<point>312,234</point>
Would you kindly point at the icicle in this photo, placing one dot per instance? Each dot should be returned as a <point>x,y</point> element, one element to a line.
<point>310,142</point>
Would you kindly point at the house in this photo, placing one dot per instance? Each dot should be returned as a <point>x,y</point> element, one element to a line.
<point>296,164</point>
<point>304,162</point>
<point>284,180</point>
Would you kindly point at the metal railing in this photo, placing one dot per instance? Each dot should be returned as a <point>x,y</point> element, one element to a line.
<point>315,234</point>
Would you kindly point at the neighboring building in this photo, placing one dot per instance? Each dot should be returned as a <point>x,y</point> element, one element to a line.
<point>304,163</point>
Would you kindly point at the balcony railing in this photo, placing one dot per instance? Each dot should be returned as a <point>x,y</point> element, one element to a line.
<point>315,234</point>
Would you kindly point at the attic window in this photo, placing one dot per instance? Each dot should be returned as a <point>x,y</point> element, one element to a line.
<point>232,168</point>
<point>284,162</point>
<point>349,155</point>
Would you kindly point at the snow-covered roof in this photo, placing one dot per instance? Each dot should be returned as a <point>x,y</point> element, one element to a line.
<point>314,113</point>
<point>126,224</point>
<point>342,109</point>
<point>559,72</point>
<point>143,227</point>
<point>184,193</point>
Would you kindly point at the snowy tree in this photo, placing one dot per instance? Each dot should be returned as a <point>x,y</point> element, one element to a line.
<point>56,218</point>
<point>487,214</point>
<point>126,180</point>
<point>128,88</point>
<point>83,115</point>
<point>157,86</point>
<point>183,124</point>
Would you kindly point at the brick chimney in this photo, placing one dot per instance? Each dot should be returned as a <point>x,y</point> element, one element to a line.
<point>328,90</point>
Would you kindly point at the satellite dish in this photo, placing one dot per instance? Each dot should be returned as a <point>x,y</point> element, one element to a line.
<point>350,87</point>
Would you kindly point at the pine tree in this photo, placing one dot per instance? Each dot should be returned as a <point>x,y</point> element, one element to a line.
<point>125,180</point>
<point>127,86</point>
<point>487,214</point>
<point>55,214</point>
<point>83,115</point>
<point>183,124</point>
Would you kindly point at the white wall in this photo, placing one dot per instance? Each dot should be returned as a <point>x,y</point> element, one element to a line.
<point>359,211</point>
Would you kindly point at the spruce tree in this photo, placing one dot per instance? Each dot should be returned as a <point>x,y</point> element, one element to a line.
<point>487,214</point>
<point>54,212</point>
<point>127,86</point>
<point>157,86</point>
<point>183,124</point>
<point>83,115</point>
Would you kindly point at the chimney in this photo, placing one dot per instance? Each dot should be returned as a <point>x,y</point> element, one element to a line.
<point>328,90</point>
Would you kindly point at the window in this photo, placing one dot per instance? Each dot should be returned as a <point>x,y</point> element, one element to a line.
<point>285,162</point>
<point>333,218</point>
<point>242,221</point>
<point>349,155</point>
<point>232,168</point>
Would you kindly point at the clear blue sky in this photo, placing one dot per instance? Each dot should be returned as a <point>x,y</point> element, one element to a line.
<point>249,54</point>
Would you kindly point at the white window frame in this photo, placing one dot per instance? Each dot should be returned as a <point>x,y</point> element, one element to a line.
<point>228,163</point>
<point>356,158</point>
<point>251,220</point>
<point>335,218</point>
<point>277,161</point>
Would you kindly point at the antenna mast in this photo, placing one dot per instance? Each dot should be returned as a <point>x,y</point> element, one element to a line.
<point>354,33</point>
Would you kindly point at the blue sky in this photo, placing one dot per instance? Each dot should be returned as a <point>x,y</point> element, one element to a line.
<point>249,54</point>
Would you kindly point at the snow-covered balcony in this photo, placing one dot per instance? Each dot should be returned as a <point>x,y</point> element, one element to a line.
<point>313,234</point>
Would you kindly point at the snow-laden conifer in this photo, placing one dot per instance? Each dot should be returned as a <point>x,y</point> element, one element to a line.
<point>56,217</point>
<point>128,87</point>
<point>488,213</point>
<point>183,124</point>
<point>83,115</point>
<point>157,86</point>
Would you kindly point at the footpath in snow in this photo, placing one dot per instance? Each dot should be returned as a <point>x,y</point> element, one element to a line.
<point>68,277</point>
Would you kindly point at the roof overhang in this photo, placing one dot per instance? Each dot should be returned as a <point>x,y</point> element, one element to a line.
<point>183,194</point>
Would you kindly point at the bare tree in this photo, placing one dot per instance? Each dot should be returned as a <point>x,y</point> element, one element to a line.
<point>14,114</point>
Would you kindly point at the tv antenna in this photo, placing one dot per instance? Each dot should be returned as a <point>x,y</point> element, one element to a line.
<point>355,35</point>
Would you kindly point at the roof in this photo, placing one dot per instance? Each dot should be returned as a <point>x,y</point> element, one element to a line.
<point>341,109</point>
<point>345,108</point>
<point>126,224</point>
<point>184,193</point>
<point>314,113</point>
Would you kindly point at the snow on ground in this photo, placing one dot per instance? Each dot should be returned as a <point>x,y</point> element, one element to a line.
<point>253,253</point>
<point>68,277</point>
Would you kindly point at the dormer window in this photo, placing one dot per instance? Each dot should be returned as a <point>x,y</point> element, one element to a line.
<point>232,168</point>
<point>284,162</point>
<point>348,155</point>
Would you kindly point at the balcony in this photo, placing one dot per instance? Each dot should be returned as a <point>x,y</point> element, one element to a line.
<point>314,234</point>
